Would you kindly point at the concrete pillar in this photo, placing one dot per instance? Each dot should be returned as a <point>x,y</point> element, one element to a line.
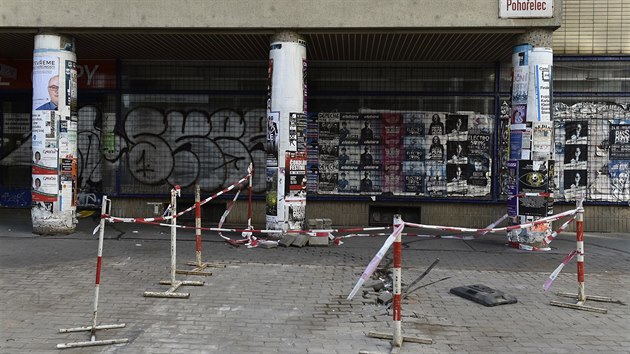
<point>286,122</point>
<point>54,138</point>
<point>531,136</point>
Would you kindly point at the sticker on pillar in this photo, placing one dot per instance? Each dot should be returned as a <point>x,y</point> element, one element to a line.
<point>511,183</point>
<point>293,135</point>
<point>272,191</point>
<point>300,125</point>
<point>305,85</point>
<point>71,86</point>
<point>519,112</point>
<point>273,136</point>
<point>45,83</point>
<point>295,209</point>
<point>45,188</point>
<point>541,100</point>
<point>45,161</point>
<point>296,175</point>
<point>542,133</point>
<point>269,84</point>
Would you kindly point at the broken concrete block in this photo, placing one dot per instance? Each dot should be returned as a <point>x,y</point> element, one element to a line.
<point>385,298</point>
<point>287,240</point>
<point>300,241</point>
<point>327,223</point>
<point>318,241</point>
<point>375,284</point>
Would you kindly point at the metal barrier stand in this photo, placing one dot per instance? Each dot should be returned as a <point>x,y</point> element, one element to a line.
<point>397,337</point>
<point>93,328</point>
<point>199,265</point>
<point>581,295</point>
<point>175,284</point>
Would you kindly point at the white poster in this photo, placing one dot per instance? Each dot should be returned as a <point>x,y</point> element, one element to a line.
<point>45,83</point>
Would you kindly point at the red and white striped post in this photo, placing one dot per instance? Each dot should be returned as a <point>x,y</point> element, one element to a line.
<point>581,295</point>
<point>397,337</point>
<point>198,224</point>
<point>175,284</point>
<point>250,169</point>
<point>579,236</point>
<point>198,263</point>
<point>397,271</point>
<point>93,328</point>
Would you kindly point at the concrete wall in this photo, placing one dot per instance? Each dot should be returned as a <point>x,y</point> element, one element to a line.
<point>597,218</point>
<point>263,14</point>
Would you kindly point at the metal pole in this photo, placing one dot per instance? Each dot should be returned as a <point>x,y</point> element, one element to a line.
<point>174,194</point>
<point>101,234</point>
<point>249,206</point>
<point>198,224</point>
<point>396,308</point>
<point>579,231</point>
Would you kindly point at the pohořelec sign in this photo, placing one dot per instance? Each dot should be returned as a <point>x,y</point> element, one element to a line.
<point>525,8</point>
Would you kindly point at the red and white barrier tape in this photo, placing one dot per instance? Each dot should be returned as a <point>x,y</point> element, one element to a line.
<point>540,194</point>
<point>555,273</point>
<point>522,246</point>
<point>499,229</point>
<point>547,240</point>
<point>369,270</point>
<point>168,217</point>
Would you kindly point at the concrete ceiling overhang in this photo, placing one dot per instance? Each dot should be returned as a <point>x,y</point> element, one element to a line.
<point>325,45</point>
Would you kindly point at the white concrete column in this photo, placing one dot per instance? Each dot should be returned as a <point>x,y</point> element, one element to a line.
<point>54,138</point>
<point>286,150</point>
<point>531,135</point>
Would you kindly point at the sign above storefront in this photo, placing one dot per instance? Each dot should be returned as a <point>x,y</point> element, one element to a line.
<point>525,8</point>
<point>91,74</point>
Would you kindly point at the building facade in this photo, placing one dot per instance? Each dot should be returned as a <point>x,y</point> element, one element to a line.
<point>176,95</point>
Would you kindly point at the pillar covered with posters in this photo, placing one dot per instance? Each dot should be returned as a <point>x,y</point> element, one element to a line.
<point>54,135</point>
<point>531,162</point>
<point>286,125</point>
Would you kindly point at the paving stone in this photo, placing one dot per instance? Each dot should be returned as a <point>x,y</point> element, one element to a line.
<point>287,240</point>
<point>300,241</point>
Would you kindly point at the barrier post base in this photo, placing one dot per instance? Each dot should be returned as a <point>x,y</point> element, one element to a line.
<point>170,293</point>
<point>198,270</point>
<point>580,304</point>
<point>390,336</point>
<point>92,342</point>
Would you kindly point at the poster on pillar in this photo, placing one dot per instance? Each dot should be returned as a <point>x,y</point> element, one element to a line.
<point>539,87</point>
<point>295,185</point>
<point>45,83</point>
<point>273,136</point>
<point>520,82</point>
<point>71,87</point>
<point>271,201</point>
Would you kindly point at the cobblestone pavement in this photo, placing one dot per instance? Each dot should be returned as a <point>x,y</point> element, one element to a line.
<point>293,300</point>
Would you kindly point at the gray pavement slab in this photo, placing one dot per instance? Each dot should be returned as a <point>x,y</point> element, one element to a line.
<point>293,300</point>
